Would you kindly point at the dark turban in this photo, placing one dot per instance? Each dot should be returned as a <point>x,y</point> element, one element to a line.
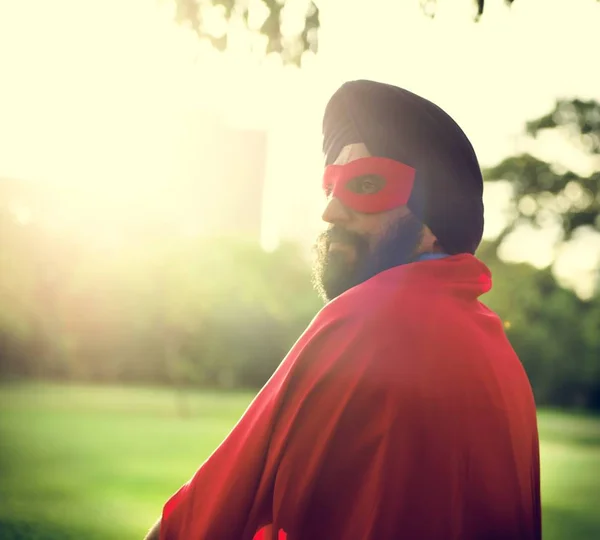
<point>397,124</point>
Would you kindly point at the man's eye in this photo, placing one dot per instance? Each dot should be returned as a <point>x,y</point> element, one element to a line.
<point>366,185</point>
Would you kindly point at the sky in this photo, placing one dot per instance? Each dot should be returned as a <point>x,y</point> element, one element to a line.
<point>103,91</point>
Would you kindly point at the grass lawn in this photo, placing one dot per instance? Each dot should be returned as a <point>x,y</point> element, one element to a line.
<point>98,463</point>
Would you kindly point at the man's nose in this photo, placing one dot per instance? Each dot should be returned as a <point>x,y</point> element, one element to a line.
<point>336,212</point>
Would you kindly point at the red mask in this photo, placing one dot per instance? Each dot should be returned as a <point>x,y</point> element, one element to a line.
<point>370,185</point>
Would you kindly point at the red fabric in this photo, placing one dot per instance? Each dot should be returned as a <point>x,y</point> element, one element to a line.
<point>399,180</point>
<point>401,413</point>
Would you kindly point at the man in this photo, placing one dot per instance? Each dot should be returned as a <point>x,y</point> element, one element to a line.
<point>402,412</point>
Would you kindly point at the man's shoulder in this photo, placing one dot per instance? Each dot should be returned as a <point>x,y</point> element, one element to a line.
<point>389,310</point>
<point>381,307</point>
<point>386,293</point>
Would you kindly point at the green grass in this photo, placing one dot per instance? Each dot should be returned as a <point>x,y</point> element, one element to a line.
<point>98,463</point>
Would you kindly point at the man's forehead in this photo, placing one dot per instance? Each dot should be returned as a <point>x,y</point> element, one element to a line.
<point>350,152</point>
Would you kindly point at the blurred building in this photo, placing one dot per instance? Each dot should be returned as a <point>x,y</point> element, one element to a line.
<point>212,185</point>
<point>294,198</point>
<point>220,184</point>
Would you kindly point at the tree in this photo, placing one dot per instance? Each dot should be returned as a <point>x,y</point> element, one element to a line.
<point>553,331</point>
<point>546,193</point>
<point>290,27</point>
<point>155,307</point>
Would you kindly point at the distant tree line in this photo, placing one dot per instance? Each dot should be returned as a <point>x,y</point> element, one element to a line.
<point>162,308</point>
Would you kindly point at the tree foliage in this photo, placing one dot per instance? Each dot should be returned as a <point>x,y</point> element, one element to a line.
<point>289,26</point>
<point>546,193</point>
<point>216,312</point>
<point>554,332</point>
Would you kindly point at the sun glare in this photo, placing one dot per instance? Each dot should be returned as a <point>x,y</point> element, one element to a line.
<point>101,103</point>
<point>116,102</point>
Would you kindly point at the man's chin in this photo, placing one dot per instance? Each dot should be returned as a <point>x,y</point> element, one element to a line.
<point>328,291</point>
<point>344,251</point>
<point>332,280</point>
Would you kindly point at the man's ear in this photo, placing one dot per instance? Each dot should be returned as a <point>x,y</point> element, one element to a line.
<point>429,242</point>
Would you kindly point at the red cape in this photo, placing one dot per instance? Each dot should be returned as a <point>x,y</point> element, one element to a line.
<point>401,412</point>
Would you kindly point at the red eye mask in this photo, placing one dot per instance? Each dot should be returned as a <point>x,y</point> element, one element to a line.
<point>391,183</point>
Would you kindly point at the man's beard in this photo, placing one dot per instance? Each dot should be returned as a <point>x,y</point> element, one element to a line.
<point>333,274</point>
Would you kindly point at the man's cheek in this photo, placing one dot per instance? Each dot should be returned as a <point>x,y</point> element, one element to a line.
<point>345,251</point>
<point>373,240</point>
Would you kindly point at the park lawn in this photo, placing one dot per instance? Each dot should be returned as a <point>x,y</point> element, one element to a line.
<point>98,462</point>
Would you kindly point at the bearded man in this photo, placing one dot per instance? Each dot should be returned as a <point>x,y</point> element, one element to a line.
<point>402,412</point>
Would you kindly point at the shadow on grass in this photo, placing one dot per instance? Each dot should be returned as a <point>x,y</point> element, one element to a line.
<point>15,529</point>
<point>560,427</point>
<point>561,523</point>
<point>581,439</point>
